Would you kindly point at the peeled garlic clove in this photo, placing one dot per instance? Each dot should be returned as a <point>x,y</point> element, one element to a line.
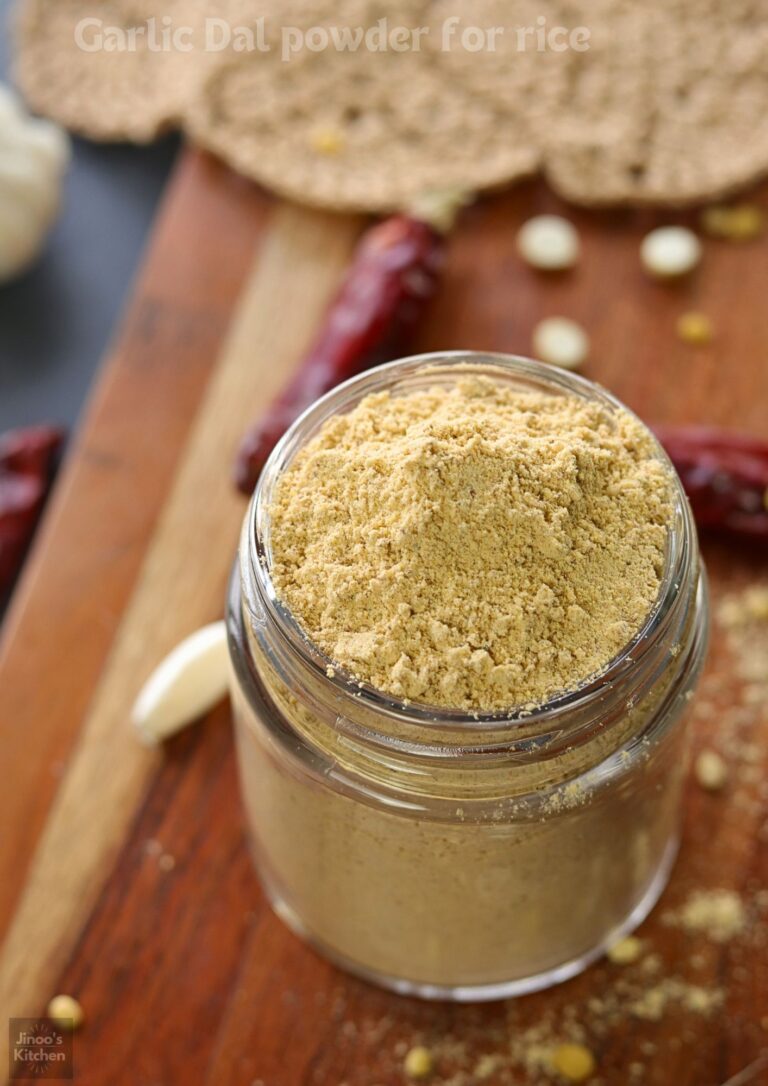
<point>548,242</point>
<point>670,251</point>
<point>561,342</point>
<point>189,681</point>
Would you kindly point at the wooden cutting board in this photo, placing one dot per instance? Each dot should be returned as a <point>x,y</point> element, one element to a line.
<point>124,875</point>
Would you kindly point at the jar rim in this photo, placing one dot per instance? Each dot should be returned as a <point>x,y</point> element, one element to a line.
<point>680,564</point>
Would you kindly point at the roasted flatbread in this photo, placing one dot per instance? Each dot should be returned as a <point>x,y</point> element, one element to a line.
<point>667,104</point>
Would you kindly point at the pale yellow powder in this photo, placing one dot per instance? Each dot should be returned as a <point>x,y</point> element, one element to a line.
<point>472,547</point>
<point>718,914</point>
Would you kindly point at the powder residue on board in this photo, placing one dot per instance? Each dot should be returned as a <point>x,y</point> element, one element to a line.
<point>718,914</point>
<point>474,547</point>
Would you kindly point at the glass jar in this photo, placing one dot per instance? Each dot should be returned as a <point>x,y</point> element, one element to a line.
<point>439,853</point>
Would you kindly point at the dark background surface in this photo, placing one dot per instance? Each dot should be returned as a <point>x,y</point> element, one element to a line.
<point>57,319</point>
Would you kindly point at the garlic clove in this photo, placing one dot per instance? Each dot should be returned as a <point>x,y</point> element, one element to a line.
<point>188,682</point>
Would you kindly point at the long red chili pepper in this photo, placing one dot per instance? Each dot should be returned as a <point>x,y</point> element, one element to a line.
<point>27,461</point>
<point>31,450</point>
<point>394,273</point>
<point>725,475</point>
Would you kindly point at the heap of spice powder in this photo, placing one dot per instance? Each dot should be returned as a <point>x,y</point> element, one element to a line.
<point>473,547</point>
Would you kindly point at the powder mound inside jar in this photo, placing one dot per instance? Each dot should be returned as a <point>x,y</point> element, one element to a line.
<point>473,547</point>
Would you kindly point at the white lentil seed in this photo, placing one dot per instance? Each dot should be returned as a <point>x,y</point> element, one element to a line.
<point>670,251</point>
<point>548,242</point>
<point>560,341</point>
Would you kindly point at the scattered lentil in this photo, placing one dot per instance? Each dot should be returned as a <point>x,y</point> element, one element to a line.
<point>711,771</point>
<point>560,342</point>
<point>695,328</point>
<point>574,1062</point>
<point>66,1012</point>
<point>418,1062</point>
<point>526,1053</point>
<point>625,951</point>
<point>548,242</point>
<point>740,223</point>
<point>670,251</point>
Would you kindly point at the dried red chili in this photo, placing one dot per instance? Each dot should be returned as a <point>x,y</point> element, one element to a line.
<point>725,475</point>
<point>394,273</point>
<point>27,460</point>
<point>32,450</point>
<point>21,498</point>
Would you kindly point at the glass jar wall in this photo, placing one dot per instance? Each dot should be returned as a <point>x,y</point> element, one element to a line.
<point>441,853</point>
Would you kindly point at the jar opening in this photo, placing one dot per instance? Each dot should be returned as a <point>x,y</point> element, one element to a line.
<point>618,681</point>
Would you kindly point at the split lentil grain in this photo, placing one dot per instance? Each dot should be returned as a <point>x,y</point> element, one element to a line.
<point>574,1062</point>
<point>418,1063</point>
<point>66,1012</point>
<point>711,771</point>
<point>626,951</point>
<point>695,329</point>
<point>741,222</point>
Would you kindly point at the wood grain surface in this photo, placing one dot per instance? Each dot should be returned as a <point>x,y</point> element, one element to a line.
<point>124,876</point>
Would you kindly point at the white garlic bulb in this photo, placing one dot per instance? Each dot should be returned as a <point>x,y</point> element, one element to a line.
<point>33,157</point>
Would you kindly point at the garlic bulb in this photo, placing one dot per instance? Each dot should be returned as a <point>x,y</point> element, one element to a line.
<point>33,157</point>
